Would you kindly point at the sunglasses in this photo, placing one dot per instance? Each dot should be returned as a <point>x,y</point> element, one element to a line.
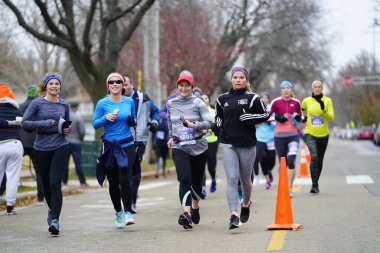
<point>115,82</point>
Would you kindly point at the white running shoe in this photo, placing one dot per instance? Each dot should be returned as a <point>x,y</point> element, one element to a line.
<point>128,218</point>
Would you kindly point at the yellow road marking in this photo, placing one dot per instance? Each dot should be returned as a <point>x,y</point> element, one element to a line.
<point>277,241</point>
<point>296,188</point>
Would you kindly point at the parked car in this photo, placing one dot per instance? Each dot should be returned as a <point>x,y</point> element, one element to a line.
<point>376,136</point>
<point>365,133</point>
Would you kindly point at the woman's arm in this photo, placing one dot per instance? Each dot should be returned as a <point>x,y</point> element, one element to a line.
<point>30,124</point>
<point>99,119</point>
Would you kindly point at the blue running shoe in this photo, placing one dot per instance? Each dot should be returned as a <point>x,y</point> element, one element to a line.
<point>204,192</point>
<point>49,217</point>
<point>240,194</point>
<point>54,227</point>
<point>128,218</point>
<point>213,186</point>
<point>119,219</point>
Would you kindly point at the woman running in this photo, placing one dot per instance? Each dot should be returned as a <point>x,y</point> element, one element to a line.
<point>265,151</point>
<point>237,113</point>
<point>49,114</point>
<point>319,110</point>
<point>286,139</point>
<point>212,142</point>
<point>116,114</point>
<point>188,117</point>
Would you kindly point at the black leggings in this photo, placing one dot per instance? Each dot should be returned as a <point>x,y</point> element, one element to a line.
<point>51,165</point>
<point>282,148</point>
<point>120,182</point>
<point>190,170</point>
<point>317,147</point>
<point>267,158</point>
<point>211,161</point>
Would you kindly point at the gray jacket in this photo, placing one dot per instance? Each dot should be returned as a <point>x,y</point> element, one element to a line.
<point>77,129</point>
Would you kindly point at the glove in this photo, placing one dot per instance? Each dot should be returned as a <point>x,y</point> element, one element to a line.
<point>215,129</point>
<point>131,121</point>
<point>281,118</point>
<point>152,126</point>
<point>304,120</point>
<point>3,123</point>
<point>297,117</point>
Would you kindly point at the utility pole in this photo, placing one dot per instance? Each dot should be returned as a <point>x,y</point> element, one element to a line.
<point>151,37</point>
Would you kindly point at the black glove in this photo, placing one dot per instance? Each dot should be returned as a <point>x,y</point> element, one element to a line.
<point>297,118</point>
<point>131,121</point>
<point>152,126</point>
<point>304,119</point>
<point>215,129</point>
<point>66,124</point>
<point>281,118</point>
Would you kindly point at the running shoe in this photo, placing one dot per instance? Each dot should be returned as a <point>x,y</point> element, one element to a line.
<point>185,220</point>
<point>314,190</point>
<point>119,219</point>
<point>244,212</point>
<point>128,218</point>
<point>291,193</point>
<point>270,177</point>
<point>204,192</point>
<point>234,222</point>
<point>54,227</point>
<point>133,209</point>
<point>267,185</point>
<point>256,180</point>
<point>213,186</point>
<point>49,217</point>
<point>240,193</point>
<point>195,217</point>
<point>11,210</point>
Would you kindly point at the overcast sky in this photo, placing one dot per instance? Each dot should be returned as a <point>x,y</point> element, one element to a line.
<point>348,24</point>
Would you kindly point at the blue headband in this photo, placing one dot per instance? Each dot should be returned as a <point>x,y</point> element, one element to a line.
<point>241,69</point>
<point>286,84</point>
<point>50,76</point>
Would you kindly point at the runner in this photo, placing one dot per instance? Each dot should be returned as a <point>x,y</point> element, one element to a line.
<point>212,142</point>
<point>116,114</point>
<point>265,152</point>
<point>286,139</point>
<point>147,117</point>
<point>188,117</point>
<point>237,112</point>
<point>319,110</point>
<point>49,115</point>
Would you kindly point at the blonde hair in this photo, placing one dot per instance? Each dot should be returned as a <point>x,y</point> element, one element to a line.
<point>249,86</point>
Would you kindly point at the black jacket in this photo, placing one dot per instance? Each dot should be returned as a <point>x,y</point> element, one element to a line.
<point>237,113</point>
<point>9,111</point>
<point>27,137</point>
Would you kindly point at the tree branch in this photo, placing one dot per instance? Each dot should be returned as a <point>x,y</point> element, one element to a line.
<point>122,13</point>
<point>87,28</point>
<point>52,40</point>
<point>49,22</point>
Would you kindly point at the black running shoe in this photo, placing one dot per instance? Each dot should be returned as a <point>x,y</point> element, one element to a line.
<point>314,190</point>
<point>244,213</point>
<point>195,217</point>
<point>185,220</point>
<point>234,222</point>
<point>54,227</point>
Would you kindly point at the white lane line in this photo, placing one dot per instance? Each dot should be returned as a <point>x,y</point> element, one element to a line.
<point>302,181</point>
<point>149,186</point>
<point>359,179</point>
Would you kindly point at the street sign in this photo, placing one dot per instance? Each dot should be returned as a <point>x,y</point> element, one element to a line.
<point>347,81</point>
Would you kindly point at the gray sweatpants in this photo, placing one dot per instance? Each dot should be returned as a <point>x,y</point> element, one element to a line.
<point>10,164</point>
<point>238,163</point>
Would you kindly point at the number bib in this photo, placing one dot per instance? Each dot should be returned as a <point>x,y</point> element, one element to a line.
<point>160,135</point>
<point>186,136</point>
<point>317,121</point>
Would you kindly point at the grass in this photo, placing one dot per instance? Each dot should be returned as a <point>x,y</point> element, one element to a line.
<point>24,188</point>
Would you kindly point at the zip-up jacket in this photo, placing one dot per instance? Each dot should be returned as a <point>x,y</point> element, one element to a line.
<point>146,112</point>
<point>237,113</point>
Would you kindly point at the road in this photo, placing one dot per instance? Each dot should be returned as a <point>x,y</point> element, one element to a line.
<point>344,217</point>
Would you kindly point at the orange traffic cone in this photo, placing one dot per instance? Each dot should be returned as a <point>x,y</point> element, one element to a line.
<point>304,164</point>
<point>284,216</point>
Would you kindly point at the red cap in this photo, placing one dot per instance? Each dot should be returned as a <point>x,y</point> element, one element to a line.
<point>184,76</point>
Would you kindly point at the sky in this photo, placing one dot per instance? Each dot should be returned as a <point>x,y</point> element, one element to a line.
<point>348,25</point>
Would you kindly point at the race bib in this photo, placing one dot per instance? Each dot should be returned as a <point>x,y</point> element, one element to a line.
<point>160,135</point>
<point>270,145</point>
<point>186,136</point>
<point>317,121</point>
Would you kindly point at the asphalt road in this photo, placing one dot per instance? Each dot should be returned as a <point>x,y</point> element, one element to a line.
<point>344,217</point>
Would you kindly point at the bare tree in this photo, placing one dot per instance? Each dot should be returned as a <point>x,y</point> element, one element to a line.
<point>92,39</point>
